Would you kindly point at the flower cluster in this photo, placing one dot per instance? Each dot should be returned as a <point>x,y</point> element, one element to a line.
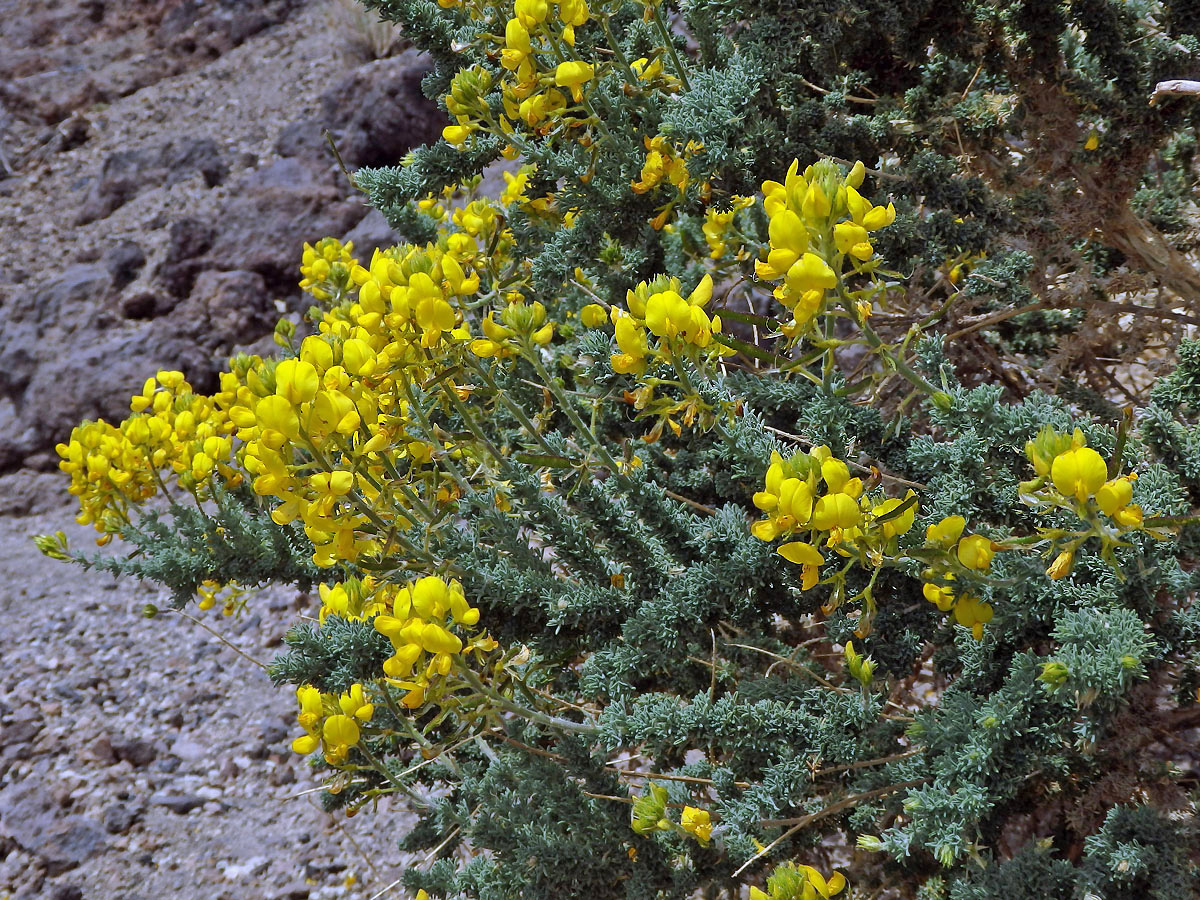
<point>793,881</point>
<point>331,721</point>
<point>1071,475</point>
<point>812,495</point>
<point>649,815</point>
<point>658,308</point>
<point>956,554</point>
<point>819,223</point>
<point>173,434</point>
<point>420,627</point>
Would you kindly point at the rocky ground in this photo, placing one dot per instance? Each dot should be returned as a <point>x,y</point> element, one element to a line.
<point>161,162</point>
<point>143,759</point>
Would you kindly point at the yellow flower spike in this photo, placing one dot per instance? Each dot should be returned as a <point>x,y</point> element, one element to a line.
<point>1079,473</point>
<point>945,534</point>
<point>976,552</point>
<point>854,178</point>
<point>574,74</point>
<point>1093,141</point>
<point>697,822</point>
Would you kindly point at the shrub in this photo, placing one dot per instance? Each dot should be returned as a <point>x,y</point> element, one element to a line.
<point>665,543</point>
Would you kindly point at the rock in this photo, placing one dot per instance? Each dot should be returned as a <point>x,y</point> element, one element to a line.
<point>118,818</point>
<point>230,307</point>
<point>122,175</point>
<point>142,305</point>
<point>123,261</point>
<point>101,750</point>
<point>126,173</point>
<point>297,890</point>
<point>278,208</point>
<point>378,113</point>
<point>180,159</point>
<point>136,752</point>
<point>370,234</point>
<point>189,750</point>
<point>29,817</point>
<point>182,804</point>
<point>187,240</point>
<point>66,892</point>
<point>65,297</point>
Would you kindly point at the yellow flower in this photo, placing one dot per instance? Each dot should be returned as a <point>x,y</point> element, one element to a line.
<point>817,886</point>
<point>836,511</point>
<point>1079,473</point>
<point>972,613</point>
<point>896,525</point>
<point>1114,495</point>
<point>945,534</point>
<point>574,74</point>
<point>697,822</point>
<point>808,557</point>
<point>457,134</point>
<point>339,734</point>
<point>941,596</point>
<point>976,552</point>
<point>1061,567</point>
<point>531,13</point>
<point>631,341</point>
<point>852,240</point>
<point>593,315</point>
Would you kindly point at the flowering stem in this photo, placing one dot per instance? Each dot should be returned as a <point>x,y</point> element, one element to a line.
<point>666,36</point>
<point>569,410</point>
<point>532,714</point>
<point>515,409</point>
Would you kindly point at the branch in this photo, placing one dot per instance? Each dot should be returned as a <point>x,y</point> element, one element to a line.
<point>1175,88</point>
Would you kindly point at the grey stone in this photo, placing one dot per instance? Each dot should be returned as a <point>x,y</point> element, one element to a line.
<point>118,818</point>
<point>136,752</point>
<point>372,233</point>
<point>182,804</point>
<point>123,261</point>
<point>30,818</point>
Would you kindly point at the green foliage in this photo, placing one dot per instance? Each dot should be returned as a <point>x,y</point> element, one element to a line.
<point>1016,730</point>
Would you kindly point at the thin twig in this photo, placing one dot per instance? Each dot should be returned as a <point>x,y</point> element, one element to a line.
<point>802,821</point>
<point>219,637</point>
<point>866,763</point>
<point>707,510</point>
